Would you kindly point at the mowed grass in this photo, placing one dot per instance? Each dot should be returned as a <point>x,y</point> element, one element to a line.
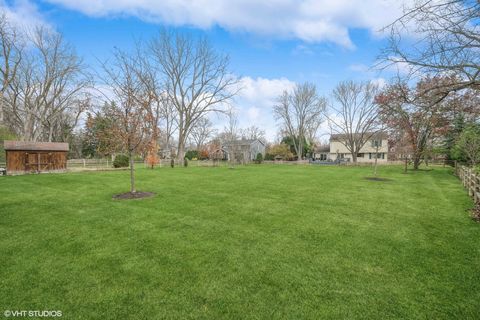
<point>254,242</point>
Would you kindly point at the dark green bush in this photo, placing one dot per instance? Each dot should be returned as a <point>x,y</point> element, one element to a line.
<point>269,156</point>
<point>172,163</point>
<point>259,158</point>
<point>191,154</point>
<point>185,162</point>
<point>121,161</point>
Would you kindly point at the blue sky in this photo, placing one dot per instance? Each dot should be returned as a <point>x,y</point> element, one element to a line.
<point>271,44</point>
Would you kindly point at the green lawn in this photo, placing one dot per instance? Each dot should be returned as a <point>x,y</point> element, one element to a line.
<point>255,242</point>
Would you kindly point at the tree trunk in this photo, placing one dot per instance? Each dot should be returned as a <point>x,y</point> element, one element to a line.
<point>354,157</point>
<point>181,149</point>
<point>132,173</point>
<point>416,162</point>
<point>1,109</point>
<point>376,161</point>
<point>406,164</point>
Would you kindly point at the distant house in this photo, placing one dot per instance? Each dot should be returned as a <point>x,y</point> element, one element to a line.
<point>244,151</point>
<point>336,150</point>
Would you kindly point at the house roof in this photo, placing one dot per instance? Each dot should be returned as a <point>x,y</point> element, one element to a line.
<point>323,148</point>
<point>243,142</point>
<point>35,146</point>
<point>378,135</point>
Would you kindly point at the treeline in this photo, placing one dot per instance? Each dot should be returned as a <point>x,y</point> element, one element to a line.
<point>155,100</point>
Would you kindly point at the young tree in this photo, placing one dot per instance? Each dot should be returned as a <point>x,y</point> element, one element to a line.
<point>154,102</point>
<point>298,112</point>
<point>197,79</point>
<point>130,127</point>
<point>354,115</point>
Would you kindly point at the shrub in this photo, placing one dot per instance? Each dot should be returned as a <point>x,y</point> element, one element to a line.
<point>203,155</point>
<point>172,163</point>
<point>269,156</point>
<point>185,162</point>
<point>259,158</point>
<point>121,161</point>
<point>190,154</point>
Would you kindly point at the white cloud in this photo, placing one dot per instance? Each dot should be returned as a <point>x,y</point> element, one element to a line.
<point>22,13</point>
<point>254,103</point>
<point>359,67</point>
<point>308,20</point>
<point>380,82</point>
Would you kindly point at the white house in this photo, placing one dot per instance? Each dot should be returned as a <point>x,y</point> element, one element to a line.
<point>244,151</point>
<point>336,150</point>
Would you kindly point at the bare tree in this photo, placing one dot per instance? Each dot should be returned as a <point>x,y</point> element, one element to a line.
<point>197,79</point>
<point>354,114</point>
<point>168,119</point>
<point>201,132</point>
<point>48,88</point>
<point>299,112</point>
<point>252,133</point>
<point>230,131</point>
<point>447,41</point>
<point>11,50</point>
<point>130,127</point>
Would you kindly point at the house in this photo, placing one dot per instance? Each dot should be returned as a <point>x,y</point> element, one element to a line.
<point>322,152</point>
<point>35,157</point>
<point>244,151</point>
<point>376,146</point>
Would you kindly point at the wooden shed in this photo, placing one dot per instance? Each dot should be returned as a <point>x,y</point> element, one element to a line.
<point>35,157</point>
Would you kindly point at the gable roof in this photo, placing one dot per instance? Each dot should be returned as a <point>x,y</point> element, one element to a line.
<point>243,142</point>
<point>35,146</point>
<point>341,137</point>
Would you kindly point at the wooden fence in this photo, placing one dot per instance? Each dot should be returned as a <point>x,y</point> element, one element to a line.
<point>470,180</point>
<point>107,164</point>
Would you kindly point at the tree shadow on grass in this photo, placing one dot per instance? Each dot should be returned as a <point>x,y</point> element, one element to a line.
<point>133,195</point>
<point>378,179</point>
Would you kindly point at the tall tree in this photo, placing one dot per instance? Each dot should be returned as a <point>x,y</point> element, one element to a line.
<point>298,112</point>
<point>201,132</point>
<point>414,114</point>
<point>11,51</point>
<point>252,133</point>
<point>354,114</point>
<point>48,90</point>
<point>197,79</point>
<point>446,42</point>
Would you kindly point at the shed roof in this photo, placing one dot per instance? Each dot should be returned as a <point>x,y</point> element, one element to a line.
<point>35,146</point>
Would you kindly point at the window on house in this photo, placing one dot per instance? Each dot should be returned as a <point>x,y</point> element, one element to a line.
<point>370,155</point>
<point>376,142</point>
<point>360,155</point>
